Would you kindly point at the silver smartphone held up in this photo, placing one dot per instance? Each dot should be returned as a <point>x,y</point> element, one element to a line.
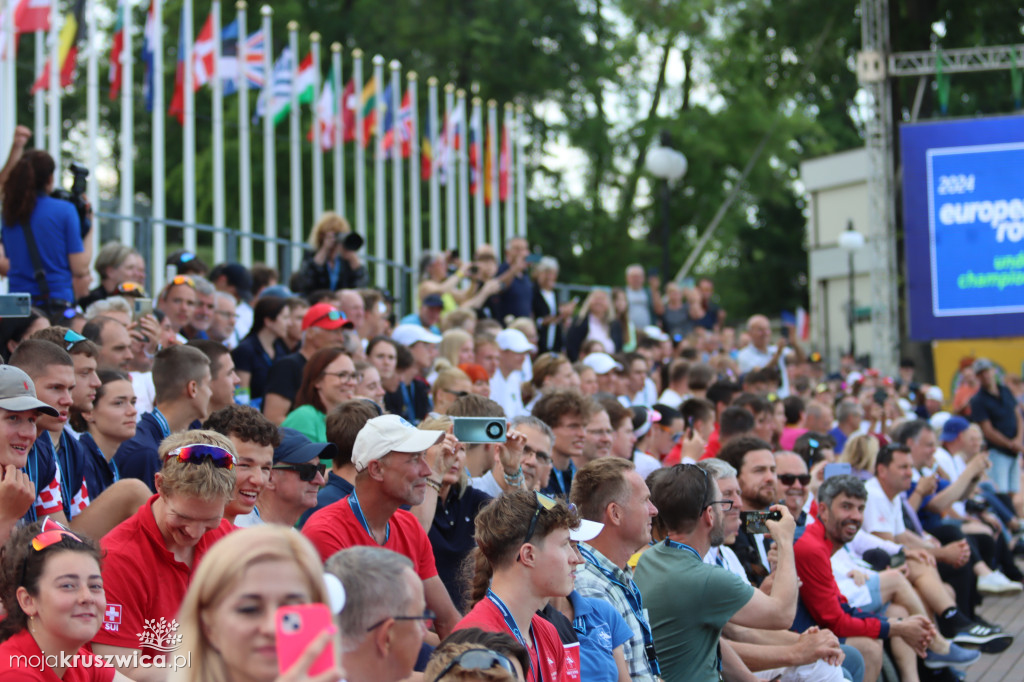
<point>480,429</point>
<point>15,305</point>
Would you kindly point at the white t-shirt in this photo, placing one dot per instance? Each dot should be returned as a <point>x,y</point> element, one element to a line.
<point>670,398</point>
<point>249,520</point>
<point>882,515</point>
<point>732,563</point>
<point>749,357</point>
<point>843,562</point>
<point>487,484</point>
<point>145,393</point>
<point>507,392</point>
<point>644,463</point>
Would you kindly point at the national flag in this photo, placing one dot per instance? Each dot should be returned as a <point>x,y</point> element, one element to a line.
<point>404,128</point>
<point>803,325</point>
<point>306,78</point>
<point>503,165</point>
<point>449,141</point>
<point>177,108</point>
<point>149,36</point>
<point>426,154</point>
<point>116,69</point>
<point>325,125</point>
<point>32,15</point>
<point>488,168</point>
<point>370,122</point>
<point>275,98</point>
<point>348,111</point>
<point>255,46</point>
<point>202,55</point>
<point>474,155</point>
<point>366,101</point>
<point>67,48</point>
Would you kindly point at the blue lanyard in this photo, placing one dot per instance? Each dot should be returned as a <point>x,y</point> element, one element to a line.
<point>510,623</point>
<point>65,463</point>
<point>334,272</point>
<point>353,502</point>
<point>686,548</point>
<point>636,605</point>
<point>33,475</point>
<point>161,420</point>
<point>406,389</point>
<point>560,481</point>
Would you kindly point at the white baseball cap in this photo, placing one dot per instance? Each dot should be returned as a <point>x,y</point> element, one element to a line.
<point>389,433</point>
<point>652,332</point>
<point>934,393</point>
<point>408,334</point>
<point>587,531</point>
<point>514,340</point>
<point>602,363</point>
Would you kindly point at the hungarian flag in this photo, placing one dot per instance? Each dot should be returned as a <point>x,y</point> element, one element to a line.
<point>67,48</point>
<point>304,83</point>
<point>116,69</point>
<point>488,168</point>
<point>503,165</point>
<point>325,125</point>
<point>404,129</point>
<point>32,15</point>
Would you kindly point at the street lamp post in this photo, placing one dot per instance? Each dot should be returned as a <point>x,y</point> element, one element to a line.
<point>851,241</point>
<point>668,165</point>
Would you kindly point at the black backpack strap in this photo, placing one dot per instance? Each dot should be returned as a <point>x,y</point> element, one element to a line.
<point>37,261</point>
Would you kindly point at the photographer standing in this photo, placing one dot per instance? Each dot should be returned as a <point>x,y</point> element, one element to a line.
<point>49,262</point>
<point>335,263</point>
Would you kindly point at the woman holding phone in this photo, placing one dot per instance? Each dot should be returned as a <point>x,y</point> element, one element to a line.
<point>229,615</point>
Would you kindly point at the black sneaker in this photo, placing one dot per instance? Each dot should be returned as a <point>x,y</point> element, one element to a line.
<point>993,626</point>
<point>983,637</point>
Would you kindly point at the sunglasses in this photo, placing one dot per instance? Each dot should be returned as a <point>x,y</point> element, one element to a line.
<point>307,472</point>
<point>426,615</point>
<point>479,659</point>
<point>790,479</point>
<point>457,394</point>
<point>197,454</point>
<point>676,435</point>
<point>50,534</point>
<point>183,279</point>
<point>131,288</point>
<point>333,316</point>
<point>71,337</point>
<point>544,503</point>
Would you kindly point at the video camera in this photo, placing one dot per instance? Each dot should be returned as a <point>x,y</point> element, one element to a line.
<point>77,195</point>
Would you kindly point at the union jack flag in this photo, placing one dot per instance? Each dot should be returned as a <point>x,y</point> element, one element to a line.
<point>255,49</point>
<point>404,128</point>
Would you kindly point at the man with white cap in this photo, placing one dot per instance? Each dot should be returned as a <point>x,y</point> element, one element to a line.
<point>421,342</point>
<point>389,456</point>
<point>507,381</point>
<point>604,367</point>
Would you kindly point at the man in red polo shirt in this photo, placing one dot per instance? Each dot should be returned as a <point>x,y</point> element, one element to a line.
<point>391,471</point>
<point>151,556</point>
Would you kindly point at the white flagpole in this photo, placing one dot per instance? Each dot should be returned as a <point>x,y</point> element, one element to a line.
<point>510,197</point>
<point>92,121</point>
<point>189,136</point>
<point>39,98</point>
<point>338,152</point>
<point>520,173</point>
<point>360,153</point>
<point>269,171</point>
<point>451,241</point>
<point>8,94</point>
<point>479,217</point>
<point>220,239</point>
<point>295,150</point>
<point>492,181</point>
<point>127,160</point>
<point>380,218</point>
<point>54,88</point>
<point>158,117</point>
<point>397,198</point>
<point>318,152</point>
<point>415,182</point>
<point>464,247</point>
<point>433,188</point>
<point>244,159</point>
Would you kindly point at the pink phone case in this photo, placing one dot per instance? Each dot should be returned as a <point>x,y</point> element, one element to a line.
<point>297,626</point>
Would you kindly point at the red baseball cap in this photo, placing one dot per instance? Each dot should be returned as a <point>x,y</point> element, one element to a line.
<point>325,316</point>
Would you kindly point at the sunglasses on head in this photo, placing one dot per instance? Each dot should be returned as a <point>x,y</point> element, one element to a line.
<point>71,337</point>
<point>307,472</point>
<point>197,454</point>
<point>544,503</point>
<point>50,534</point>
<point>183,279</point>
<point>790,479</point>
<point>131,288</point>
<point>479,659</point>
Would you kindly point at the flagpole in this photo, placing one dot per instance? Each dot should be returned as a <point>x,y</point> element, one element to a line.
<point>415,182</point>
<point>397,199</point>
<point>520,173</point>
<point>189,137</point>
<point>295,149</point>
<point>54,87</point>
<point>360,153</point>
<point>451,242</point>
<point>338,151</point>
<point>220,239</point>
<point>244,160</point>
<point>39,98</point>
<point>380,224</point>
<point>492,178</point>
<point>479,215</point>
<point>269,170</point>
<point>127,160</point>
<point>465,250</point>
<point>510,180</point>
<point>433,189</point>
<point>159,152</point>
<point>8,72</point>
<point>318,154</point>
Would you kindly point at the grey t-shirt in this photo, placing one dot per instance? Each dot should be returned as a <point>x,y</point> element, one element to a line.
<point>639,307</point>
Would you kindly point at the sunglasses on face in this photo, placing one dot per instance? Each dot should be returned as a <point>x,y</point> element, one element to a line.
<point>197,454</point>
<point>790,479</point>
<point>426,615</point>
<point>457,394</point>
<point>479,659</point>
<point>71,337</point>
<point>307,472</point>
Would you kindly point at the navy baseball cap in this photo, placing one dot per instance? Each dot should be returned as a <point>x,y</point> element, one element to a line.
<point>297,449</point>
<point>953,427</point>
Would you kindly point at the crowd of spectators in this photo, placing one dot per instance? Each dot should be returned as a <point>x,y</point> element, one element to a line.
<point>155,463</point>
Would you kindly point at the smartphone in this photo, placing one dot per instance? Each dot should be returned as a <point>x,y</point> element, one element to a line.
<point>480,429</point>
<point>897,559</point>
<point>143,307</point>
<point>297,626</point>
<point>881,395</point>
<point>15,305</point>
<point>533,258</point>
<point>785,331</point>
<point>837,469</point>
<point>754,521</point>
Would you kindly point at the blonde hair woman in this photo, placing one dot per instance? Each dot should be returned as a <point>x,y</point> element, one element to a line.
<point>228,615</point>
<point>456,347</point>
<point>860,452</point>
<point>333,261</point>
<point>595,322</point>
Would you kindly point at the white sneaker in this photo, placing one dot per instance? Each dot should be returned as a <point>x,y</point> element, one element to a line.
<point>997,583</point>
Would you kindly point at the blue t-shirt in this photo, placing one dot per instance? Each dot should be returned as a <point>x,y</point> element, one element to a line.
<point>517,297</point>
<point>600,629</point>
<point>58,234</point>
<point>929,520</point>
<point>138,457</point>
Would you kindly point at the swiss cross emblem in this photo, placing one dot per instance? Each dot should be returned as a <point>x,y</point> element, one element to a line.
<point>112,617</point>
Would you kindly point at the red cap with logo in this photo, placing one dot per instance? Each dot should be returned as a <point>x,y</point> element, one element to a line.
<point>325,316</point>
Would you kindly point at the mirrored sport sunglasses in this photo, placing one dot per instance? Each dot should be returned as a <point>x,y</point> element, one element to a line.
<point>71,337</point>
<point>50,534</point>
<point>197,454</point>
<point>479,659</point>
<point>183,279</point>
<point>307,472</point>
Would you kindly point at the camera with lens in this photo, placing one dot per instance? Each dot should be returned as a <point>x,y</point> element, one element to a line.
<point>77,196</point>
